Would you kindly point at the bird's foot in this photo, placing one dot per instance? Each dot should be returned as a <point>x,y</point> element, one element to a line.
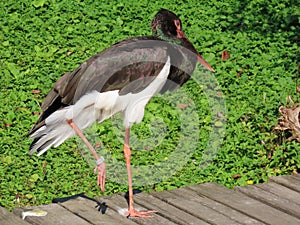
<point>142,214</point>
<point>101,177</point>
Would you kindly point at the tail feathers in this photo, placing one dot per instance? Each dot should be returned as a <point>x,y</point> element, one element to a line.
<point>55,128</point>
<point>50,135</point>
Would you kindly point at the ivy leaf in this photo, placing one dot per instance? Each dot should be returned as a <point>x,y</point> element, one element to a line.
<point>38,3</point>
<point>13,69</point>
<point>34,177</point>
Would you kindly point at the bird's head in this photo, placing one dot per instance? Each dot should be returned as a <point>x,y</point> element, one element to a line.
<point>167,26</point>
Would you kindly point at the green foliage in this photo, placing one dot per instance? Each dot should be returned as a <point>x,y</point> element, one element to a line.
<point>42,39</point>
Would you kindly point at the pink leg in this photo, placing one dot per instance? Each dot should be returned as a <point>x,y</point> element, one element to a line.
<point>127,153</point>
<point>101,168</point>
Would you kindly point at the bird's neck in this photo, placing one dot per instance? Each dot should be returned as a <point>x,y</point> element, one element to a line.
<point>169,39</point>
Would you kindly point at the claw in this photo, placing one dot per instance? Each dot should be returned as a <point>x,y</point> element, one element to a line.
<point>142,214</point>
<point>101,177</point>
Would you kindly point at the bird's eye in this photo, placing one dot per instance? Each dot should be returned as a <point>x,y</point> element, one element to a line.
<point>177,24</point>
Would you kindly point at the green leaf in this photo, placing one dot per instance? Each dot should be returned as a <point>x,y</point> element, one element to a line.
<point>218,124</point>
<point>38,3</point>
<point>29,196</point>
<point>7,159</point>
<point>5,43</point>
<point>13,69</point>
<point>34,177</point>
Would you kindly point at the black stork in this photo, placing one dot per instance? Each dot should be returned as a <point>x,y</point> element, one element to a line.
<point>122,78</point>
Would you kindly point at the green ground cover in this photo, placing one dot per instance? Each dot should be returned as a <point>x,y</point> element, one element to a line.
<point>41,40</point>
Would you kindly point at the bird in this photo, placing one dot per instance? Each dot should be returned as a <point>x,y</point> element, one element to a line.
<point>121,79</point>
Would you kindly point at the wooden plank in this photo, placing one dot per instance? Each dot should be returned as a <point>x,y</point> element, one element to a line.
<point>245,204</point>
<point>88,210</point>
<point>271,199</point>
<point>56,215</point>
<point>289,181</point>
<point>204,208</point>
<point>281,191</point>
<point>8,218</point>
<point>170,212</point>
<point>119,204</point>
<point>297,176</point>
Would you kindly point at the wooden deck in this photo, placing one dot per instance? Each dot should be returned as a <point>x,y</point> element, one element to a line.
<point>275,202</point>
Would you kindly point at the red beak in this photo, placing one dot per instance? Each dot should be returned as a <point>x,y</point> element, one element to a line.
<point>180,34</point>
<point>204,63</point>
